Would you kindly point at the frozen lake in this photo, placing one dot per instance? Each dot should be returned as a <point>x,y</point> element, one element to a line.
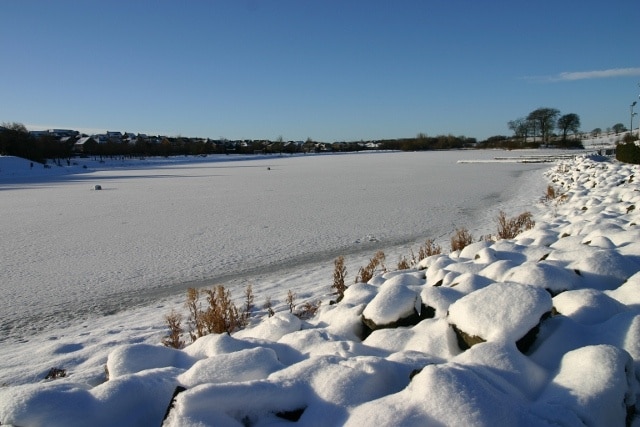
<point>69,252</point>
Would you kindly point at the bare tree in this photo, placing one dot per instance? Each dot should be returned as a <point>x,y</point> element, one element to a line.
<point>618,128</point>
<point>520,128</point>
<point>568,122</point>
<point>15,126</point>
<point>545,120</point>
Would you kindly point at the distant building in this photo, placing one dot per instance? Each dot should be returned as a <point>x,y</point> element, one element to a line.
<point>39,133</point>
<point>84,144</point>
<point>114,136</point>
<point>61,133</point>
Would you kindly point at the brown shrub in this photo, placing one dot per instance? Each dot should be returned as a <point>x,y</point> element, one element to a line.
<point>339,274</point>
<point>428,249</point>
<point>268,306</point>
<point>220,316</point>
<point>551,193</point>
<point>196,324</point>
<point>403,264</point>
<point>366,273</point>
<point>291,300</point>
<point>248,305</point>
<point>509,228</point>
<point>461,239</point>
<point>308,310</point>
<point>174,323</point>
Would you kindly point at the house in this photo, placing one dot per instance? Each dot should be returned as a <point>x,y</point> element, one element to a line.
<point>114,136</point>
<point>129,137</point>
<point>39,133</point>
<point>61,133</point>
<point>100,138</point>
<point>84,145</point>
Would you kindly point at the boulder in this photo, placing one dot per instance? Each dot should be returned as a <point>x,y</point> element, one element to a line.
<point>502,312</point>
<point>396,304</point>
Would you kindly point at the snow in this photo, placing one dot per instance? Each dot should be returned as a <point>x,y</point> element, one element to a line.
<point>395,300</point>
<point>501,311</point>
<point>593,382</point>
<point>88,277</point>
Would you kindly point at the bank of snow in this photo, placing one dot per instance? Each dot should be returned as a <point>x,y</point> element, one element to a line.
<point>540,330</point>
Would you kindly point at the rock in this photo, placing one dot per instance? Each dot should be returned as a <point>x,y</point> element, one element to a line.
<point>597,383</point>
<point>55,373</point>
<point>396,304</point>
<point>500,312</point>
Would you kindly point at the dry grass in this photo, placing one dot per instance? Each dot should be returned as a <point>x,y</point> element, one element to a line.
<point>366,273</point>
<point>339,274</point>
<point>174,323</point>
<point>220,315</point>
<point>461,239</point>
<point>268,306</point>
<point>196,324</point>
<point>551,193</point>
<point>404,264</point>
<point>509,228</point>
<point>308,310</point>
<point>428,249</point>
<point>291,300</point>
<point>248,304</point>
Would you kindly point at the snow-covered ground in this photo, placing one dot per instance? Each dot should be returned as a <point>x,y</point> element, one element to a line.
<point>154,230</point>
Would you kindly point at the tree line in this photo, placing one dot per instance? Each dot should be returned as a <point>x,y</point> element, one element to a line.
<point>423,142</point>
<point>531,131</point>
<point>539,125</point>
<point>16,141</point>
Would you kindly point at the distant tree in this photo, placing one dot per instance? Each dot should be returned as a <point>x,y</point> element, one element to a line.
<point>15,126</point>
<point>619,127</point>
<point>568,122</point>
<point>16,141</point>
<point>596,132</point>
<point>520,128</point>
<point>544,120</point>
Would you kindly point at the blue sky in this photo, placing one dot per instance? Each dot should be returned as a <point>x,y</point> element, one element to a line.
<point>322,69</point>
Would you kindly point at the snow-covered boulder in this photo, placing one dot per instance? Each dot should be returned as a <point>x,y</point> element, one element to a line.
<point>432,337</point>
<point>507,312</point>
<point>133,358</point>
<point>244,365</point>
<point>587,306</point>
<point>604,269</point>
<point>273,328</point>
<point>629,292</point>
<point>553,278</point>
<point>595,382</point>
<point>396,304</point>
<point>214,344</point>
<point>445,395</point>
<point>439,298</point>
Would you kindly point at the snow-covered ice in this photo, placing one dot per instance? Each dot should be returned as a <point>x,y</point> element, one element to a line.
<point>570,285</point>
<point>158,227</point>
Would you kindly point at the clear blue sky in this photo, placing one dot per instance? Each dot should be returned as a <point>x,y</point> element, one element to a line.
<point>325,69</point>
